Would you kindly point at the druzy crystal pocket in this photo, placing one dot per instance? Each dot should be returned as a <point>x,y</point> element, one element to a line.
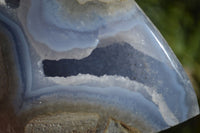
<point>101,59</point>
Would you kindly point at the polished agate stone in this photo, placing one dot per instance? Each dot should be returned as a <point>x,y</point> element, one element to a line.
<point>103,62</point>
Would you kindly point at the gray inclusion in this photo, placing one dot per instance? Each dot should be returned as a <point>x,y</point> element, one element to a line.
<point>116,59</point>
<point>123,60</point>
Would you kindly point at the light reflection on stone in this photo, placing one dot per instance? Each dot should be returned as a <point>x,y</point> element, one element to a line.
<point>103,57</point>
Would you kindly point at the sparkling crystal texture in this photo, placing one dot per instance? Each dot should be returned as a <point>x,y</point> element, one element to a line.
<point>103,57</point>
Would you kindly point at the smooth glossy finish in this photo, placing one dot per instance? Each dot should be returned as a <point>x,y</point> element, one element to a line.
<point>103,57</point>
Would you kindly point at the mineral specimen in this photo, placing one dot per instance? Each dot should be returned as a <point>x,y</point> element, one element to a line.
<point>73,62</point>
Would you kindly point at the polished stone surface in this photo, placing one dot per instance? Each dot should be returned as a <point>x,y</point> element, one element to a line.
<point>97,57</point>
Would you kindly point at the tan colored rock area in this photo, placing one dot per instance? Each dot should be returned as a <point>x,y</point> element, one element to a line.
<point>64,123</point>
<point>74,123</point>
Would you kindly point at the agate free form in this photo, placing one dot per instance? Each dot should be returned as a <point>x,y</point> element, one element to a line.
<point>100,61</point>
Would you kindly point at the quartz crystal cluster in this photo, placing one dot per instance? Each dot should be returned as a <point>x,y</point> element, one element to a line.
<point>90,66</point>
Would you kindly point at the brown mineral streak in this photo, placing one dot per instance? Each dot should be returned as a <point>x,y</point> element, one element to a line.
<point>9,121</point>
<point>119,126</point>
<point>3,77</point>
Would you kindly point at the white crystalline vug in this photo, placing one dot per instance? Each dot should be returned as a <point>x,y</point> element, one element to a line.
<point>108,82</point>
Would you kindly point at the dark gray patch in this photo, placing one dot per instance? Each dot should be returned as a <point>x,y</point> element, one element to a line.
<point>13,3</point>
<point>116,59</point>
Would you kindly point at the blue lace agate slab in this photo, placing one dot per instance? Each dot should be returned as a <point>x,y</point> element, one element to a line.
<point>102,56</point>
